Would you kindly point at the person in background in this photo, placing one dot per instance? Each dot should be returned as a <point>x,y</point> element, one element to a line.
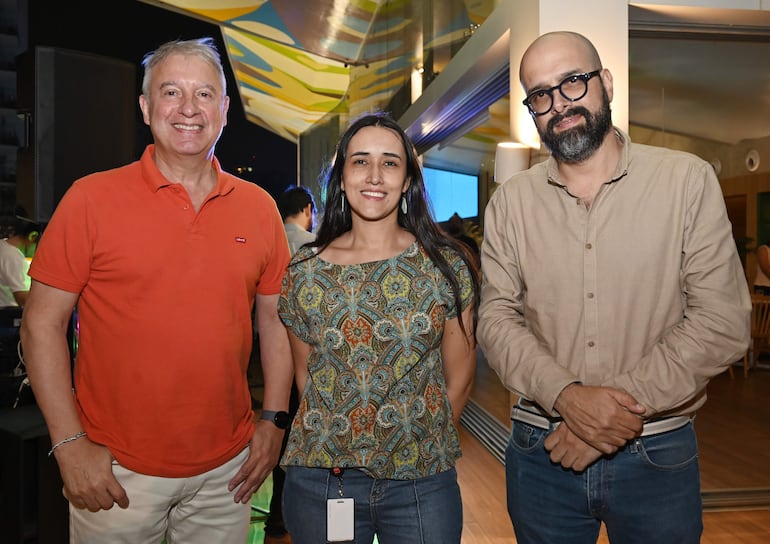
<point>164,258</point>
<point>456,228</point>
<point>612,294</point>
<point>380,312</point>
<point>297,209</point>
<point>14,254</point>
<point>762,277</point>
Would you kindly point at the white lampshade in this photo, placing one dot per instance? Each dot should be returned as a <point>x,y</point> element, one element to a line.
<point>510,158</point>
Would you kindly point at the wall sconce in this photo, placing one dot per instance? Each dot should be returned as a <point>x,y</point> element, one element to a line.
<point>510,157</point>
<point>752,160</point>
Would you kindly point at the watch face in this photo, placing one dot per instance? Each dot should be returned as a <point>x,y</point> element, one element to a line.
<point>280,419</point>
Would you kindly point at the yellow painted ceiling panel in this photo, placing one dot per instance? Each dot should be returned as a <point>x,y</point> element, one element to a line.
<point>219,10</point>
<point>293,59</point>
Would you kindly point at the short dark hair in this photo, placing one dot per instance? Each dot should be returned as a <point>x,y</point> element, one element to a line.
<point>21,224</point>
<point>24,227</point>
<point>293,200</point>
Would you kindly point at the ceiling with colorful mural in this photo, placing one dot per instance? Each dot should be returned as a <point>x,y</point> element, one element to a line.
<point>297,61</point>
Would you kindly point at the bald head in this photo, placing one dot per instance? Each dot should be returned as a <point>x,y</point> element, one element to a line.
<point>556,44</point>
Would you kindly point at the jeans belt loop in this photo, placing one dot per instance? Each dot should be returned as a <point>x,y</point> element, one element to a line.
<point>650,428</point>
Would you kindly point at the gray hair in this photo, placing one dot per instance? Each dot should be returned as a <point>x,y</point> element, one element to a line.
<point>204,48</point>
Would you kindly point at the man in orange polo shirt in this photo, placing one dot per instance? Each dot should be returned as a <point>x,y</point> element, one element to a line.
<point>164,258</point>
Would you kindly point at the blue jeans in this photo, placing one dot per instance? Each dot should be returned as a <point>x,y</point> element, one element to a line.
<point>423,511</point>
<point>647,492</point>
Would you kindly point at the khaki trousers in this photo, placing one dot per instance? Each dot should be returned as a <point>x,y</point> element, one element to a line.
<point>195,510</point>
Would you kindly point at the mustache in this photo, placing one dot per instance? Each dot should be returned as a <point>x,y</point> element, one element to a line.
<point>559,117</point>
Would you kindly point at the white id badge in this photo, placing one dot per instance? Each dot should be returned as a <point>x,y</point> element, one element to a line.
<point>339,520</point>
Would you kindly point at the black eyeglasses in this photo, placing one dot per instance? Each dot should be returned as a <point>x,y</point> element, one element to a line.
<point>572,88</point>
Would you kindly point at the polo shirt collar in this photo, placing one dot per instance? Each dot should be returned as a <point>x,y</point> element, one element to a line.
<point>155,180</point>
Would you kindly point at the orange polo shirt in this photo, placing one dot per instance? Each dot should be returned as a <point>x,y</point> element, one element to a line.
<point>165,310</point>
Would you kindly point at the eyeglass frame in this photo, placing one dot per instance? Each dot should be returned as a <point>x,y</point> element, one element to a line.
<point>586,77</point>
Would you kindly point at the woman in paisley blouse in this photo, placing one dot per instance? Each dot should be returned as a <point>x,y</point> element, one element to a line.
<point>381,313</point>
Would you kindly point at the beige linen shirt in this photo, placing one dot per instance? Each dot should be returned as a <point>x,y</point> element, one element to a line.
<point>643,291</point>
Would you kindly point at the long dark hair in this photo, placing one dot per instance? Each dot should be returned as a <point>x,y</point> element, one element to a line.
<point>419,219</point>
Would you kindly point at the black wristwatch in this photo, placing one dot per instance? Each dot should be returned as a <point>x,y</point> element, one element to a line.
<point>280,419</point>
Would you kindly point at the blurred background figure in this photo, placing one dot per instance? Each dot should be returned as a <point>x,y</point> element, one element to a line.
<point>15,252</point>
<point>297,209</point>
<point>456,228</point>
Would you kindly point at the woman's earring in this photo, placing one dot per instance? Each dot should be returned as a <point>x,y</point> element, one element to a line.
<point>403,203</point>
<point>342,200</point>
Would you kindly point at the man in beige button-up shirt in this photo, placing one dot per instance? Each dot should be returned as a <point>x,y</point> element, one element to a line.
<point>612,293</point>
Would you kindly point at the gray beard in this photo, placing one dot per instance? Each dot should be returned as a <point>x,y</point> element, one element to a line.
<point>574,146</point>
<point>579,143</point>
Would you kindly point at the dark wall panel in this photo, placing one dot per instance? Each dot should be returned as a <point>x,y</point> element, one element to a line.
<point>80,112</point>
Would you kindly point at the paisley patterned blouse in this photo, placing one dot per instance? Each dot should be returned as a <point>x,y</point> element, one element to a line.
<point>375,398</point>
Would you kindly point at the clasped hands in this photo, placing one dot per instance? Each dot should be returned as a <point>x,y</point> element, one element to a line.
<point>597,421</point>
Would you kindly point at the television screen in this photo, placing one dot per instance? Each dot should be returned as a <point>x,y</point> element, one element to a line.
<point>451,192</point>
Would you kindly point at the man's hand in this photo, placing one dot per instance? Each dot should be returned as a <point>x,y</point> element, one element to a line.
<point>86,470</point>
<point>567,449</point>
<point>604,417</point>
<point>264,455</point>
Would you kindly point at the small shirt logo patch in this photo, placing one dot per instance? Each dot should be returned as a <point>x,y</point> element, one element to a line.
<point>240,239</point>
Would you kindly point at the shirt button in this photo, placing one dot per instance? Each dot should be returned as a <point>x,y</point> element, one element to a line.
<point>590,295</point>
<point>591,344</point>
<point>588,245</point>
<point>186,207</point>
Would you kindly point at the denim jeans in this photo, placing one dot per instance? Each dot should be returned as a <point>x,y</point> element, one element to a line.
<point>423,511</point>
<point>648,492</point>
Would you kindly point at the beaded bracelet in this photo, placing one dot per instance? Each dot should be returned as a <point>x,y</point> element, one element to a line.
<point>72,438</point>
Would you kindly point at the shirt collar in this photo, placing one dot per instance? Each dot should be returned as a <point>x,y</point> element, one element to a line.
<point>156,181</point>
<point>620,170</point>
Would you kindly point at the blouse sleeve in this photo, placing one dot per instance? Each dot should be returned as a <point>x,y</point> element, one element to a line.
<point>289,303</point>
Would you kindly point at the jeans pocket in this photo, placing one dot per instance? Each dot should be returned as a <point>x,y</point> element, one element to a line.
<point>525,437</point>
<point>672,450</point>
